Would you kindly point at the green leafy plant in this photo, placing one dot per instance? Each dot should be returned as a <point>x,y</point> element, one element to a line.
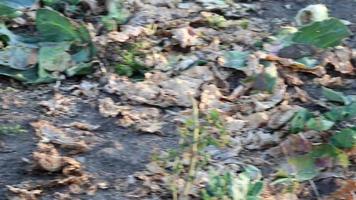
<point>307,166</point>
<point>130,67</point>
<point>195,135</point>
<point>245,186</point>
<point>305,120</point>
<point>62,46</point>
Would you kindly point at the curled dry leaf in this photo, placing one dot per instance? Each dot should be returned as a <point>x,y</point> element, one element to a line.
<point>340,58</point>
<point>51,134</point>
<point>47,157</point>
<point>294,145</point>
<point>84,126</point>
<point>266,101</point>
<point>159,89</point>
<point>281,116</point>
<point>258,138</point>
<point>301,95</point>
<point>234,125</point>
<point>23,194</point>
<point>292,78</point>
<point>72,167</point>
<point>212,99</point>
<point>257,120</point>
<point>108,108</point>
<point>85,88</point>
<point>329,81</point>
<point>115,36</point>
<point>186,36</point>
<point>59,104</point>
<point>317,70</point>
<point>144,119</point>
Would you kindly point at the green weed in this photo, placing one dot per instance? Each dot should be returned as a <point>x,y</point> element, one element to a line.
<point>11,129</point>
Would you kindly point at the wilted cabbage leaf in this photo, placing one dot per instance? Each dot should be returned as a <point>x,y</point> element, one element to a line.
<point>54,56</point>
<point>17,54</point>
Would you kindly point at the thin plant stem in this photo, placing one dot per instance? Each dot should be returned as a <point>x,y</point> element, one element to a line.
<point>194,151</point>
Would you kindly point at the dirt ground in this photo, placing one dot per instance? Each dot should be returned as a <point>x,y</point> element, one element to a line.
<point>117,152</point>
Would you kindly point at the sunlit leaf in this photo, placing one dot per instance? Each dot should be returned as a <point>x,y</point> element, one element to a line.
<point>324,34</point>
<point>319,124</point>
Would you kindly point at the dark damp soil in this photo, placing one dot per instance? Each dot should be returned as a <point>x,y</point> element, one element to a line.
<point>118,152</point>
